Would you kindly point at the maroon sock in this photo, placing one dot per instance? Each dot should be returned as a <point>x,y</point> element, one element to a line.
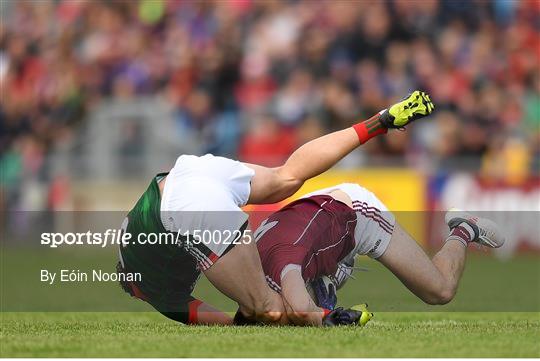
<point>462,233</point>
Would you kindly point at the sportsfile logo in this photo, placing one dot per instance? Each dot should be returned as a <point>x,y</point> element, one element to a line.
<point>119,237</point>
<point>109,237</point>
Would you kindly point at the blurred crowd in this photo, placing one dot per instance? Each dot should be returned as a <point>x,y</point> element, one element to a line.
<point>255,79</point>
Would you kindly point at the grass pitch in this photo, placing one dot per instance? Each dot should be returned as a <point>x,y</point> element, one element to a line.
<point>509,290</point>
<point>151,335</point>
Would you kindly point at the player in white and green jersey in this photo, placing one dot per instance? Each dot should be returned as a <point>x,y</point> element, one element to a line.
<point>206,194</point>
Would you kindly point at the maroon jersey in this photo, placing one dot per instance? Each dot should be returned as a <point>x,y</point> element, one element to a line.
<point>315,233</point>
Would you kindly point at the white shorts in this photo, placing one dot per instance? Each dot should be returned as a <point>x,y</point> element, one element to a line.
<point>205,194</point>
<point>374,222</point>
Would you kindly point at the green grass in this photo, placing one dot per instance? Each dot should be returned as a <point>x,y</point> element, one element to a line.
<point>496,313</point>
<point>388,335</point>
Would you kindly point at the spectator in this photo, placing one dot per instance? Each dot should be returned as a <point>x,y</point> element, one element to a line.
<point>316,66</point>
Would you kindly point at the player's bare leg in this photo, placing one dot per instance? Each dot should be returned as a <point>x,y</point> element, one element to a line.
<point>204,314</point>
<point>239,276</point>
<point>199,313</point>
<point>317,156</point>
<point>436,280</point>
<point>271,185</point>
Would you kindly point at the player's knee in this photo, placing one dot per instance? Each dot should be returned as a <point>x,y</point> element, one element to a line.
<point>448,293</point>
<point>441,296</point>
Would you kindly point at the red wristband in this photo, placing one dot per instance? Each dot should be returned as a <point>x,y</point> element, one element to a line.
<point>369,129</point>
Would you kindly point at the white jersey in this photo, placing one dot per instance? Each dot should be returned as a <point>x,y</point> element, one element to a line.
<point>206,193</point>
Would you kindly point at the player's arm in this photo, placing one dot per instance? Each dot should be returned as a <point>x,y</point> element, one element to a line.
<point>299,307</point>
<point>301,310</point>
<point>271,185</point>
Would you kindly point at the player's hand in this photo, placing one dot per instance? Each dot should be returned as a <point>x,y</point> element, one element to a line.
<point>241,320</point>
<point>325,294</point>
<point>356,315</point>
<point>414,106</point>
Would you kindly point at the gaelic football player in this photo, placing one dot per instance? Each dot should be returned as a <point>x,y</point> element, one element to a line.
<point>205,194</point>
<point>315,235</point>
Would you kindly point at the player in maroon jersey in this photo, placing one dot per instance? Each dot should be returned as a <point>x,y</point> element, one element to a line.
<point>313,236</point>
